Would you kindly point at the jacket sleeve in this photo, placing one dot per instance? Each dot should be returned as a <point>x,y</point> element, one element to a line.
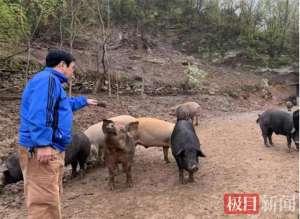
<point>77,102</point>
<point>43,98</point>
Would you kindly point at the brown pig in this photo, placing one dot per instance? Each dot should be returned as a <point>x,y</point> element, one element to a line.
<point>189,108</point>
<point>119,140</point>
<point>155,133</point>
<point>96,137</point>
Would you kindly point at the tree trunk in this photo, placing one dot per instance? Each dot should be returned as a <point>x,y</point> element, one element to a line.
<point>100,77</point>
<point>28,60</point>
<point>70,79</point>
<point>143,83</point>
<point>285,27</point>
<point>117,84</point>
<point>71,41</point>
<point>61,33</point>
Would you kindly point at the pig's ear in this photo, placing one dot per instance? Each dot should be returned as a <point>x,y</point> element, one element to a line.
<point>132,130</point>
<point>200,153</point>
<point>133,126</point>
<point>108,127</point>
<point>179,152</point>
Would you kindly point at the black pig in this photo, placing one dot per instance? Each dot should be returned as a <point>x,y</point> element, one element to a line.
<point>279,122</point>
<point>12,172</point>
<point>185,147</point>
<point>78,152</point>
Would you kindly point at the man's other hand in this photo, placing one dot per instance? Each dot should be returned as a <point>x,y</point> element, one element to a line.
<point>45,154</point>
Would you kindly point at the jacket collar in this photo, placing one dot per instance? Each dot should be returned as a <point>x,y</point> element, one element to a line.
<point>61,76</point>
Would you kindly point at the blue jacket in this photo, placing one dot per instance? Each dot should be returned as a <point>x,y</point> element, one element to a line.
<point>46,111</point>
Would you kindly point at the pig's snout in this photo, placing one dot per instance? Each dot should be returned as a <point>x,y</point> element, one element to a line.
<point>194,168</point>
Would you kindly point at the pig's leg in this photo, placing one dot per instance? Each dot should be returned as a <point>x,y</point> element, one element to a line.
<point>127,169</point>
<point>289,142</point>
<point>166,158</point>
<point>82,168</point>
<point>192,117</point>
<point>111,182</point>
<point>264,132</point>
<point>74,167</point>
<point>181,176</point>
<point>197,120</point>
<point>101,157</point>
<point>191,177</point>
<point>265,140</point>
<point>111,164</point>
<point>270,138</point>
<point>180,169</point>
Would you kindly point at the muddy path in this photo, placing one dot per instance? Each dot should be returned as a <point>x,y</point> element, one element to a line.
<point>236,162</point>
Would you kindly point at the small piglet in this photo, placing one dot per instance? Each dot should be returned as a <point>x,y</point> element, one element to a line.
<point>78,152</point>
<point>281,123</point>
<point>12,172</point>
<point>119,147</point>
<point>190,109</point>
<point>185,147</point>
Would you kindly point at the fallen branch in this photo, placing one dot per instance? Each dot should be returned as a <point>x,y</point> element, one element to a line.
<point>10,98</point>
<point>12,55</point>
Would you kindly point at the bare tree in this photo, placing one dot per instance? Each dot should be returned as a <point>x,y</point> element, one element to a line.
<point>61,31</point>
<point>74,9</point>
<point>39,10</point>
<point>102,40</point>
<point>29,39</point>
<point>284,25</point>
<point>143,82</point>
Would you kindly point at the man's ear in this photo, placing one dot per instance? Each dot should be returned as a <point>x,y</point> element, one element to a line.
<point>108,127</point>
<point>62,64</point>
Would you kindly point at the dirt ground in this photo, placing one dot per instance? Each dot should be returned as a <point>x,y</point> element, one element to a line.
<point>230,98</point>
<point>236,162</point>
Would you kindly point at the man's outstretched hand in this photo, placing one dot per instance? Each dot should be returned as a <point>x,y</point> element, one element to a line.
<point>92,102</point>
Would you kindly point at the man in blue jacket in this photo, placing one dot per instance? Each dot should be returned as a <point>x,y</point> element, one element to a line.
<point>45,131</point>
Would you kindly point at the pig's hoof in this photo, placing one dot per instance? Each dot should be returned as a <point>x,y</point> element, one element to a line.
<point>111,186</point>
<point>129,184</point>
<point>73,175</point>
<point>81,174</point>
<point>167,160</point>
<point>191,180</point>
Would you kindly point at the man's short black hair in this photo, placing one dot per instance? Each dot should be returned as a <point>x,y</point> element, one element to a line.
<point>55,56</point>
